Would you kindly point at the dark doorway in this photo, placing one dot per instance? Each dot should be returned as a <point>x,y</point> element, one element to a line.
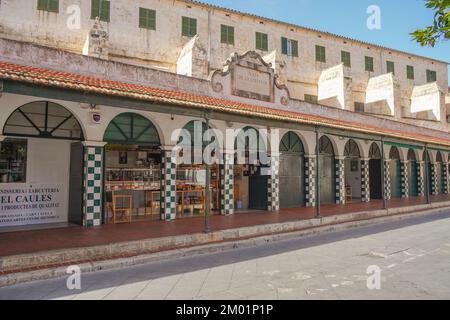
<point>292,192</point>
<point>375,175</point>
<point>395,173</point>
<point>258,192</point>
<point>327,171</point>
<point>76,183</point>
<point>412,174</point>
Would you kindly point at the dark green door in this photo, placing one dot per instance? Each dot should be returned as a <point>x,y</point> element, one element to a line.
<point>413,183</point>
<point>375,179</point>
<point>327,180</point>
<point>258,192</point>
<point>429,179</point>
<point>396,191</point>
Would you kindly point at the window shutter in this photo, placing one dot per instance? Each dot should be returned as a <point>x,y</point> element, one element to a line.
<point>95,9</point>
<point>105,10</point>
<point>265,42</point>
<point>369,64</point>
<point>53,5</point>
<point>294,48</point>
<point>142,19</point>
<point>284,45</point>
<point>231,35</point>
<point>42,5</point>
<point>258,41</point>
<point>223,34</point>
<point>184,26</point>
<point>193,27</point>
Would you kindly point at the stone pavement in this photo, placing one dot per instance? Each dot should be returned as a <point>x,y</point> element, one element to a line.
<point>413,254</point>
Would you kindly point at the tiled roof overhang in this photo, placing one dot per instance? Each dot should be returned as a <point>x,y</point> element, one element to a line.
<point>65,80</point>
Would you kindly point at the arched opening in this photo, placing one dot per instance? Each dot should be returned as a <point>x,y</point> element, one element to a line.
<point>439,173</point>
<point>395,173</point>
<point>191,174</point>
<point>327,171</point>
<point>251,170</point>
<point>413,182</point>
<point>375,176</point>
<point>352,171</point>
<point>42,149</point>
<point>292,167</point>
<point>132,169</point>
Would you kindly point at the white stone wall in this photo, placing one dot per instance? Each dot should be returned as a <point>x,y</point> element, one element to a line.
<point>20,20</point>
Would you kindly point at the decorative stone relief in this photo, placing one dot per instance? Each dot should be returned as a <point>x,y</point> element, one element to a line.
<point>248,76</point>
<point>97,41</point>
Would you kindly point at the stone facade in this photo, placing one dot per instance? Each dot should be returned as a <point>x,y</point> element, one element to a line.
<point>164,47</point>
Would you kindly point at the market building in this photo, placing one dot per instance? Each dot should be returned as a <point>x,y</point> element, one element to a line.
<point>91,113</point>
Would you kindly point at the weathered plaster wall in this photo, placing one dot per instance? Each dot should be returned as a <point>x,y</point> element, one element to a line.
<point>161,48</point>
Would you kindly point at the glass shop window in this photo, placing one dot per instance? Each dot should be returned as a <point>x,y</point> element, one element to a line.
<point>13,161</point>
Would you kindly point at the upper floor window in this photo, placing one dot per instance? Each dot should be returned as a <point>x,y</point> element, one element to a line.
<point>410,72</point>
<point>227,34</point>
<point>48,5</point>
<point>346,58</point>
<point>431,76</point>
<point>262,41</point>
<point>321,54</point>
<point>188,26</point>
<point>369,64</point>
<point>289,47</point>
<point>100,9</point>
<point>147,19</point>
<point>390,67</point>
<point>359,107</point>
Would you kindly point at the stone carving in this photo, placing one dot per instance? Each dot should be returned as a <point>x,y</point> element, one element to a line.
<point>249,76</point>
<point>193,59</point>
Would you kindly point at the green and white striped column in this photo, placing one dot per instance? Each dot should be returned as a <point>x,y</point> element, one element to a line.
<point>93,183</point>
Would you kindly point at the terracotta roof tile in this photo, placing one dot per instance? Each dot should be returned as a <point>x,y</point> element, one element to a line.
<point>59,79</point>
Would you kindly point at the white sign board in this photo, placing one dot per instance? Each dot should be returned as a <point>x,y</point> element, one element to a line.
<point>38,204</point>
<point>381,88</point>
<point>331,84</point>
<point>427,98</point>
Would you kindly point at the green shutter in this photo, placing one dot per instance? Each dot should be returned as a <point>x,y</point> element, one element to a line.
<point>223,34</point>
<point>410,72</point>
<point>431,76</point>
<point>42,5</point>
<point>95,9</point>
<point>262,42</point>
<point>390,67</point>
<point>230,35</point>
<point>104,14</point>
<point>369,64</point>
<point>53,5</point>
<point>193,27</point>
<point>346,58</point>
<point>320,54</point>
<point>147,18</point>
<point>284,45</point>
<point>294,48</point>
<point>189,27</point>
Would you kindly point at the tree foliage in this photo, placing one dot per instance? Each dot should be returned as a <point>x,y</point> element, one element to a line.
<point>440,29</point>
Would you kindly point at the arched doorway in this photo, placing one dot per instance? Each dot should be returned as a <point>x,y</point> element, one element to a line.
<point>439,173</point>
<point>353,169</point>
<point>132,169</point>
<point>43,149</point>
<point>191,174</point>
<point>327,171</point>
<point>375,176</point>
<point>292,167</point>
<point>251,178</point>
<point>413,182</point>
<point>395,173</point>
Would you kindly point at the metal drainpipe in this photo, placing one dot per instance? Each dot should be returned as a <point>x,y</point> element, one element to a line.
<point>427,178</point>
<point>317,174</point>
<point>207,228</point>
<point>383,191</point>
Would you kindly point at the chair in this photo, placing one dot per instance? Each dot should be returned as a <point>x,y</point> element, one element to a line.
<point>122,208</point>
